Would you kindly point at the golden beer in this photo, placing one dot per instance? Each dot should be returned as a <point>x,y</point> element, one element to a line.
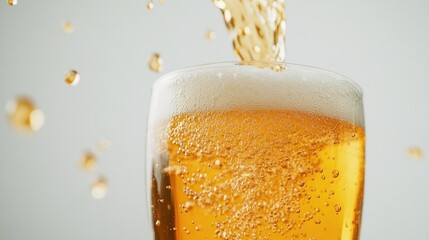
<point>257,169</point>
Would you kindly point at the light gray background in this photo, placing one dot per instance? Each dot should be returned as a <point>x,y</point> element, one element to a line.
<point>382,45</point>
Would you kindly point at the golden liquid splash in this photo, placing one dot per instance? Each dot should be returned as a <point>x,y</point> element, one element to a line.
<point>88,162</point>
<point>68,27</point>
<point>415,152</point>
<point>12,2</point>
<point>210,35</point>
<point>24,116</point>
<point>258,28</point>
<point>262,174</point>
<point>99,188</point>
<point>149,5</point>
<point>72,78</point>
<point>156,64</point>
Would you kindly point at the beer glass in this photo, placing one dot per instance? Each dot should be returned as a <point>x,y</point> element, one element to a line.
<point>250,150</point>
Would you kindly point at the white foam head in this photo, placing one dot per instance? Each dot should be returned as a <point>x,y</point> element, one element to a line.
<point>234,86</point>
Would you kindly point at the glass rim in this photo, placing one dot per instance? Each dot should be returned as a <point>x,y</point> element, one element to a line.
<point>253,63</point>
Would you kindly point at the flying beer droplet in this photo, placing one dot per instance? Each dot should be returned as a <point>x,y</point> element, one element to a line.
<point>210,35</point>
<point>72,78</point>
<point>68,27</point>
<point>12,2</point>
<point>162,1</point>
<point>415,152</point>
<point>23,115</point>
<point>88,162</point>
<point>149,5</point>
<point>104,144</point>
<point>156,63</point>
<point>99,188</point>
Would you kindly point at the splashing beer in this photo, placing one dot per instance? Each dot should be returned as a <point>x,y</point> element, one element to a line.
<point>258,28</point>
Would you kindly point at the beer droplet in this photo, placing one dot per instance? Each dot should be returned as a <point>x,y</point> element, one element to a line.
<point>99,188</point>
<point>210,35</point>
<point>104,144</point>
<point>12,2</point>
<point>335,173</point>
<point>149,5</point>
<point>23,114</point>
<point>68,27</point>
<point>88,162</point>
<point>337,208</point>
<point>157,223</point>
<point>156,63</point>
<point>72,78</point>
<point>162,1</point>
<point>415,152</point>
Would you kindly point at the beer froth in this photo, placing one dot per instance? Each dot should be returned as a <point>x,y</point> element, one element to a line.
<point>242,87</point>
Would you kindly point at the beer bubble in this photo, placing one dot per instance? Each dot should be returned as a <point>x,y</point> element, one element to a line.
<point>156,63</point>
<point>88,162</point>
<point>149,5</point>
<point>415,152</point>
<point>246,30</point>
<point>317,221</point>
<point>335,173</point>
<point>218,163</point>
<point>210,35</point>
<point>157,223</point>
<point>23,115</point>
<point>72,78</point>
<point>257,49</point>
<point>12,2</point>
<point>68,27</point>
<point>99,188</point>
<point>188,205</point>
<point>337,208</point>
